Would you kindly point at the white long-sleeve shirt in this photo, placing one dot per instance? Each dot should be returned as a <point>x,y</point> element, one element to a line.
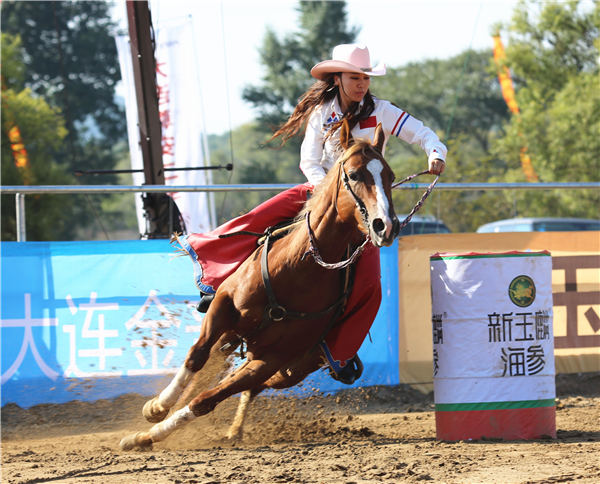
<point>318,155</point>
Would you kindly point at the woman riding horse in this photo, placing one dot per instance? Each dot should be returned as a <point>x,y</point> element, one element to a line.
<point>284,298</point>
<point>340,93</point>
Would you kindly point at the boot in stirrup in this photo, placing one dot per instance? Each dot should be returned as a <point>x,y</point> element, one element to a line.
<point>205,301</point>
<point>351,372</point>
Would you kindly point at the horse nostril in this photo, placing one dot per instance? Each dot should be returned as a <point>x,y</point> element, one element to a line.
<point>378,226</point>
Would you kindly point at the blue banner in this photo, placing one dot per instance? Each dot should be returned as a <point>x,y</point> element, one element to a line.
<point>93,320</point>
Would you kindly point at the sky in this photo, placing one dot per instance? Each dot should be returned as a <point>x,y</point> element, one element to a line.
<point>229,35</point>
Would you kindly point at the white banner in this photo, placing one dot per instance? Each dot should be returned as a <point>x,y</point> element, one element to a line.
<point>183,136</point>
<point>492,327</point>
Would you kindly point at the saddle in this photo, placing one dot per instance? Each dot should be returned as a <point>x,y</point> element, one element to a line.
<point>274,312</point>
<point>275,232</point>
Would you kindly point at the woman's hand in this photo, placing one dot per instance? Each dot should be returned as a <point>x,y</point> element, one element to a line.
<point>437,166</point>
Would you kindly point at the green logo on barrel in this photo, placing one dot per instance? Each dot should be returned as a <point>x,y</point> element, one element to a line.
<point>521,291</point>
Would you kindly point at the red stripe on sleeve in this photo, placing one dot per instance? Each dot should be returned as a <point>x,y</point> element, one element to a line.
<point>398,120</point>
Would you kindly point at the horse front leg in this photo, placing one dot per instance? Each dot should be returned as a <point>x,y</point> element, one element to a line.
<point>247,376</point>
<point>215,324</point>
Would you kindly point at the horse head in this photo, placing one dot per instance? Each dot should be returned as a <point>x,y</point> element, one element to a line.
<point>368,179</point>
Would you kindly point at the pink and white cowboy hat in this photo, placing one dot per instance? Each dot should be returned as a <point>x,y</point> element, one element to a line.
<point>348,58</point>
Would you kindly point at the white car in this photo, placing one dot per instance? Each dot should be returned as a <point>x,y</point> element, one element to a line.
<point>543,224</point>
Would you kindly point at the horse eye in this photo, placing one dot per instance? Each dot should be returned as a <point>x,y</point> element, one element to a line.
<point>354,176</point>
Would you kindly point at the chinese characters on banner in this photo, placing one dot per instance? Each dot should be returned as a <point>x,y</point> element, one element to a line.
<point>98,319</point>
<point>97,345</point>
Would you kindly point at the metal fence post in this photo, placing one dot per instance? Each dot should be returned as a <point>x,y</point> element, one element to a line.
<point>20,208</point>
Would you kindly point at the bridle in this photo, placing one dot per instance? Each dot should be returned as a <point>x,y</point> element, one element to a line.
<point>314,251</point>
<point>273,310</point>
<point>362,208</point>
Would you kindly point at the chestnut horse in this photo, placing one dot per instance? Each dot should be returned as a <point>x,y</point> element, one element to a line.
<point>282,306</point>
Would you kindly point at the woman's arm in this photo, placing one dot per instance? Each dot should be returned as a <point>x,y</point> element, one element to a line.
<point>311,151</point>
<point>413,131</point>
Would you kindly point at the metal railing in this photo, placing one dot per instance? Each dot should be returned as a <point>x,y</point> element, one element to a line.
<point>21,190</point>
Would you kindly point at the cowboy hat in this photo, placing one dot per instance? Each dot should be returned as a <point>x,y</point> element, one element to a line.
<point>348,58</point>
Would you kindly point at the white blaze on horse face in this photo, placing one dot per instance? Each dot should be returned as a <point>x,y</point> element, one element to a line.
<point>375,167</point>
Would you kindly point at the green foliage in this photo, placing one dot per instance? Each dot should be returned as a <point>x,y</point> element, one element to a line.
<point>115,214</point>
<point>254,163</point>
<point>553,57</point>
<point>67,58</point>
<point>456,95</point>
<point>553,53</point>
<point>460,99</point>
<point>70,59</point>
<point>42,130</point>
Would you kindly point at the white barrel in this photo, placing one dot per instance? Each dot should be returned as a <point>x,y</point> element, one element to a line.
<point>493,345</point>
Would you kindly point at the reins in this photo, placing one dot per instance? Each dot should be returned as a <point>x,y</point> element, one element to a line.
<point>418,205</point>
<point>314,251</point>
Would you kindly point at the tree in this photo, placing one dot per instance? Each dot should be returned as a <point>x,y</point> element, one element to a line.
<point>552,52</point>
<point>288,61</point>
<point>41,129</point>
<point>69,59</point>
<point>460,99</point>
<point>254,163</point>
<point>452,96</point>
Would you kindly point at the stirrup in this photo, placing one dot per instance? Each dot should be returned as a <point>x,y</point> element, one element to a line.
<point>349,373</point>
<point>204,303</point>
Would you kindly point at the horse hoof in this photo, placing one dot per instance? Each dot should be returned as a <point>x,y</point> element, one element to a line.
<point>139,441</point>
<point>153,411</point>
<point>235,434</point>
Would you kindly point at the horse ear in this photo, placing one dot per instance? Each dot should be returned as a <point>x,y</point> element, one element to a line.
<point>345,136</point>
<point>379,138</point>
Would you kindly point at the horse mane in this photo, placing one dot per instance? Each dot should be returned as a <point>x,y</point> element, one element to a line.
<point>322,190</point>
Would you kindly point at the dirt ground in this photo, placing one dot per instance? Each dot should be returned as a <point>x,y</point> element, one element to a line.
<point>377,434</point>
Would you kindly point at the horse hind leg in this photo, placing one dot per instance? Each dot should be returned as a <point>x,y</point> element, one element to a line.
<point>247,376</point>
<point>236,430</point>
<point>218,365</point>
<point>284,378</point>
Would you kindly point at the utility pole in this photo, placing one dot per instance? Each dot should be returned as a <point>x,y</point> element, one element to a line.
<point>161,211</point>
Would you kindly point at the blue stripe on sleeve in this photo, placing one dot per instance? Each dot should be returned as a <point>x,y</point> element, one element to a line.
<point>402,124</point>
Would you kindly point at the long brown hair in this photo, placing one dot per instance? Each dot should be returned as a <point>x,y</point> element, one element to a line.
<point>319,93</point>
